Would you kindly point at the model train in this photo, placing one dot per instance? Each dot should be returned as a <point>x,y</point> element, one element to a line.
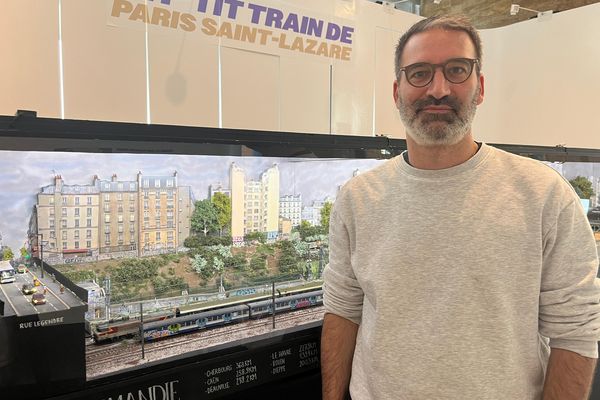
<point>208,315</point>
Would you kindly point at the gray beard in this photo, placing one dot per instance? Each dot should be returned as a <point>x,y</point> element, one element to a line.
<point>439,129</point>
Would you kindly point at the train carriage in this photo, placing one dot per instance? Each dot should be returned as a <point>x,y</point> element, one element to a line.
<point>194,322</point>
<point>264,308</point>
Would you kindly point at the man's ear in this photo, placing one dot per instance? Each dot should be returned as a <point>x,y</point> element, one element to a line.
<point>481,92</point>
<point>396,94</point>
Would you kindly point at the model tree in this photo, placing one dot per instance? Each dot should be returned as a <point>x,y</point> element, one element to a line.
<point>204,218</point>
<point>582,186</point>
<point>222,204</point>
<point>7,254</point>
<point>325,214</point>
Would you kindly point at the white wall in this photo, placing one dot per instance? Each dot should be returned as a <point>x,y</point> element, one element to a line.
<point>543,81</point>
<point>541,77</point>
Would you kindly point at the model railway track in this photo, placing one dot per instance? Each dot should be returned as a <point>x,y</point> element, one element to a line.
<point>111,357</point>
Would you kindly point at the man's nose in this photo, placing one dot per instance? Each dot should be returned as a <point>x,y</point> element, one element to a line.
<point>439,86</point>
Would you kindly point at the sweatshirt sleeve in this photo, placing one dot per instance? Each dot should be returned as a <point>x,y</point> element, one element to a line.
<point>570,292</point>
<point>342,294</point>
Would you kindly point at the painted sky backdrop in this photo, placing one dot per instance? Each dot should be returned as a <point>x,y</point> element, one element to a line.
<point>23,173</point>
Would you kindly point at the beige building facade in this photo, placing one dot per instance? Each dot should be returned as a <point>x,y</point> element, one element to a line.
<point>111,218</point>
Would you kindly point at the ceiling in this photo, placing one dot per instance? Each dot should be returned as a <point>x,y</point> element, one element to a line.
<point>485,14</point>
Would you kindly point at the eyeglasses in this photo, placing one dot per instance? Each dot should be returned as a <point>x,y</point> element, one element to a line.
<point>456,70</point>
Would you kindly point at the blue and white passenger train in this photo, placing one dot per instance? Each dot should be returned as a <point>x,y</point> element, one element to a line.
<point>208,315</point>
<point>222,316</point>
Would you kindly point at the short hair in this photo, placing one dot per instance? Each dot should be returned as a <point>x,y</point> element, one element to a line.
<point>449,23</point>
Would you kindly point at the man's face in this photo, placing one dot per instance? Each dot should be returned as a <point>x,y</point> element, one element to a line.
<point>441,112</point>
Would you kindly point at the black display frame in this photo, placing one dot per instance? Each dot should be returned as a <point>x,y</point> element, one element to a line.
<point>27,132</point>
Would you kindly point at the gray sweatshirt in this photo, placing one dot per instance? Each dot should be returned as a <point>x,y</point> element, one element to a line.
<point>460,279</point>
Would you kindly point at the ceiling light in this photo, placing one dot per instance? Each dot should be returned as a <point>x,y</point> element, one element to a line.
<point>542,15</point>
<point>437,1</point>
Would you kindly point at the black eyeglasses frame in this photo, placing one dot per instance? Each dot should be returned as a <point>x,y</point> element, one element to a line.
<point>434,67</point>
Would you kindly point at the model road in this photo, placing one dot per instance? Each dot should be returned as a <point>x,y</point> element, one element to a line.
<point>22,304</point>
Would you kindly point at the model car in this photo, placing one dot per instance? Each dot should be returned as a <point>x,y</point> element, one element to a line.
<point>38,298</point>
<point>21,269</point>
<point>28,288</point>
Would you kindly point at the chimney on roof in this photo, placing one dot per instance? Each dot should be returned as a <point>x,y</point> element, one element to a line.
<point>58,183</point>
<point>114,178</point>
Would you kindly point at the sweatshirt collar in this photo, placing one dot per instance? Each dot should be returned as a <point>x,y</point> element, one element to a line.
<point>458,170</point>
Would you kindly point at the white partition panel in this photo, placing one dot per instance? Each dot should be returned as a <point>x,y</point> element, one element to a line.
<point>250,90</point>
<point>387,119</point>
<point>30,76</point>
<point>184,79</point>
<point>104,65</point>
<point>304,96</point>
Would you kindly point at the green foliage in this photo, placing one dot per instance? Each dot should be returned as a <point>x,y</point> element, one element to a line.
<point>325,214</point>
<point>204,218</point>
<point>171,284</point>
<point>258,264</point>
<point>199,264</point>
<point>23,251</point>
<point>222,204</point>
<point>260,237</point>
<point>135,270</point>
<point>79,276</point>
<point>266,249</point>
<point>582,186</point>
<point>7,254</point>
<point>194,242</point>
<point>289,260</point>
<point>237,261</point>
<point>305,229</point>
<point>222,251</point>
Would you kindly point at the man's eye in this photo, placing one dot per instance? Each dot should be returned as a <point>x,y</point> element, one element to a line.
<point>420,74</point>
<point>456,70</point>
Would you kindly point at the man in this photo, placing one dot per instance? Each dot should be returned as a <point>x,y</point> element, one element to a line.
<point>457,271</point>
